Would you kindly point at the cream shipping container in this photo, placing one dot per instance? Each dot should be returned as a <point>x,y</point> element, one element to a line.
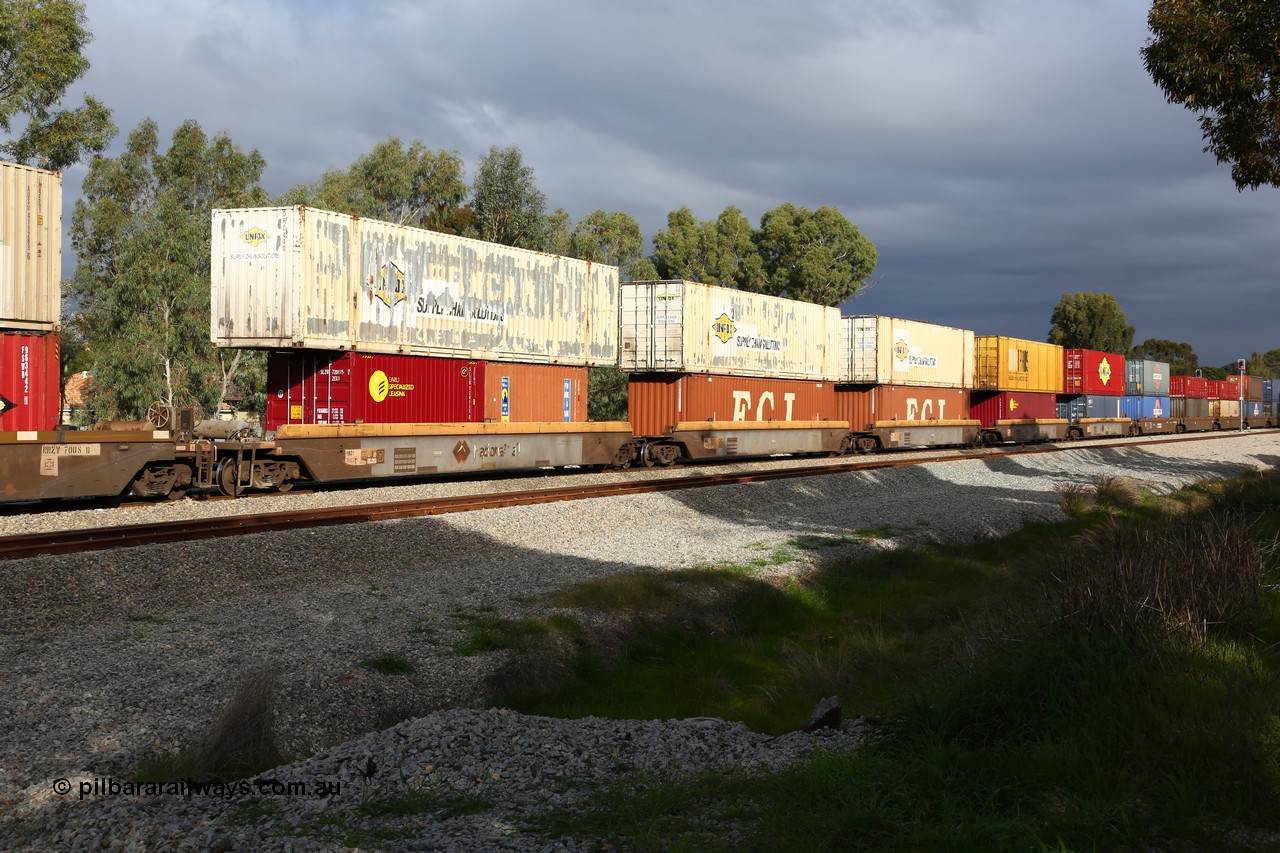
<point>30,248</point>
<point>687,327</point>
<point>889,351</point>
<point>287,277</point>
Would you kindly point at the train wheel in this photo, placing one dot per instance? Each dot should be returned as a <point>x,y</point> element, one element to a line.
<point>228,478</point>
<point>647,456</point>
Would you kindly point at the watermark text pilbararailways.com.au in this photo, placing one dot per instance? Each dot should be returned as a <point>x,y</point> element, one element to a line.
<point>111,787</point>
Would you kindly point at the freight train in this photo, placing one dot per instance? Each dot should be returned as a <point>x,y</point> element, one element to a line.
<point>398,353</point>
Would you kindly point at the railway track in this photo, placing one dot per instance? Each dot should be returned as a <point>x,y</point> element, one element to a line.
<point>102,538</point>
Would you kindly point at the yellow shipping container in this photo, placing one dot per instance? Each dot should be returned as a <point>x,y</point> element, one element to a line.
<point>1013,364</point>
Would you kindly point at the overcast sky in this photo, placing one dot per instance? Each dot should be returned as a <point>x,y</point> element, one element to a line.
<point>998,152</point>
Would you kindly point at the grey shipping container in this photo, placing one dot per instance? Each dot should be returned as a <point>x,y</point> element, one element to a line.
<point>30,249</point>
<point>1089,406</point>
<point>297,277</point>
<point>1146,378</point>
<point>1188,407</point>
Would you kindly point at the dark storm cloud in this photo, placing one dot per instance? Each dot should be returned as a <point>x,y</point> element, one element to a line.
<point>999,153</point>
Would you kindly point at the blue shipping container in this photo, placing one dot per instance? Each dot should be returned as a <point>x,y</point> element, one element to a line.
<point>1139,408</point>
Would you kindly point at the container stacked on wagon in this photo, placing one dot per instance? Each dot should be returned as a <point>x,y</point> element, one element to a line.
<point>382,331</point>
<point>30,297</point>
<point>1093,392</point>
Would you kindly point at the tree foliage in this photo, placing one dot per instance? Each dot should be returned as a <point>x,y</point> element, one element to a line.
<point>42,46</point>
<point>142,233</point>
<point>813,255</point>
<point>1180,356</point>
<point>1220,58</point>
<point>505,200</point>
<point>1090,321</point>
<point>408,186</point>
<point>721,251</point>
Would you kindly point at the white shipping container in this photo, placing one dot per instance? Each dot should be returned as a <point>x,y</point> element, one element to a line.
<point>30,248</point>
<point>290,277</point>
<point>687,327</point>
<point>890,351</point>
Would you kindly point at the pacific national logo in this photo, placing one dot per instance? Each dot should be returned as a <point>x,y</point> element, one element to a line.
<point>1104,371</point>
<point>379,386</point>
<point>901,350</point>
<point>255,237</point>
<point>723,327</point>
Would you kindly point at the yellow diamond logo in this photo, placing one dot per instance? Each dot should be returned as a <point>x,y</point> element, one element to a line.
<point>255,237</point>
<point>723,327</point>
<point>1104,371</point>
<point>901,350</point>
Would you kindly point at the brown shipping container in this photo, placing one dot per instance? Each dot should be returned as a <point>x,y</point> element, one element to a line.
<point>863,406</point>
<point>1087,371</point>
<point>661,400</point>
<point>534,393</point>
<point>1014,364</point>
<point>307,387</point>
<point>29,371</point>
<point>1252,388</point>
<point>30,248</point>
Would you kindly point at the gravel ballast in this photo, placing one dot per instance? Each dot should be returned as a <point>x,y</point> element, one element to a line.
<point>108,658</point>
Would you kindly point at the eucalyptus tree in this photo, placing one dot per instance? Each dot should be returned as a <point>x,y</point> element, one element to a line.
<point>720,251</point>
<point>813,255</point>
<point>141,231</point>
<point>506,204</point>
<point>408,186</point>
<point>1090,321</point>
<point>42,45</point>
<point>1219,58</point>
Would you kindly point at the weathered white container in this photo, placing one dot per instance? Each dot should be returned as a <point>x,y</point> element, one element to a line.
<point>287,277</point>
<point>30,248</point>
<point>687,327</point>
<point>889,351</point>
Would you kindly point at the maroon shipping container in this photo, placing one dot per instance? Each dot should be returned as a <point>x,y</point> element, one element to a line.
<point>1194,387</point>
<point>865,405</point>
<point>1252,388</point>
<point>310,387</point>
<point>29,371</point>
<point>1086,371</point>
<point>661,400</point>
<point>1012,406</point>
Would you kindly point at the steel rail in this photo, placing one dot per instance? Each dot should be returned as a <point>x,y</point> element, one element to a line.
<point>102,538</point>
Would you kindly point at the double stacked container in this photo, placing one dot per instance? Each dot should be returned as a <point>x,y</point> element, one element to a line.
<point>1016,387</point>
<point>1146,389</point>
<point>344,302</point>
<point>896,372</point>
<point>699,352</point>
<point>30,297</point>
<point>1189,402</point>
<point>1092,389</point>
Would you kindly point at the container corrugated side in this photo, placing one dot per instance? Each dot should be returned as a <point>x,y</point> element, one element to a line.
<point>534,393</point>
<point>889,351</point>
<point>1252,387</point>
<point>661,400</point>
<point>862,406</point>
<point>1087,371</point>
<point>1188,407</point>
<point>989,407</point>
<point>1074,408</point>
<point>1015,364</point>
<point>688,327</point>
<point>30,248</point>
<point>1137,408</point>
<point>290,277</point>
<point>1189,386</point>
<point>1147,378</point>
<point>29,386</point>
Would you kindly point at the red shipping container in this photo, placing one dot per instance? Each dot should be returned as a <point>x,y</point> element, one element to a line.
<point>308,387</point>
<point>1086,371</point>
<point>1252,388</point>
<point>1012,406</point>
<point>864,405</point>
<point>29,373</point>
<point>661,400</point>
<point>1194,387</point>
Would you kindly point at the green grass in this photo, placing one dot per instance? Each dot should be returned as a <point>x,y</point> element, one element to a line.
<point>389,663</point>
<point>1005,724</point>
